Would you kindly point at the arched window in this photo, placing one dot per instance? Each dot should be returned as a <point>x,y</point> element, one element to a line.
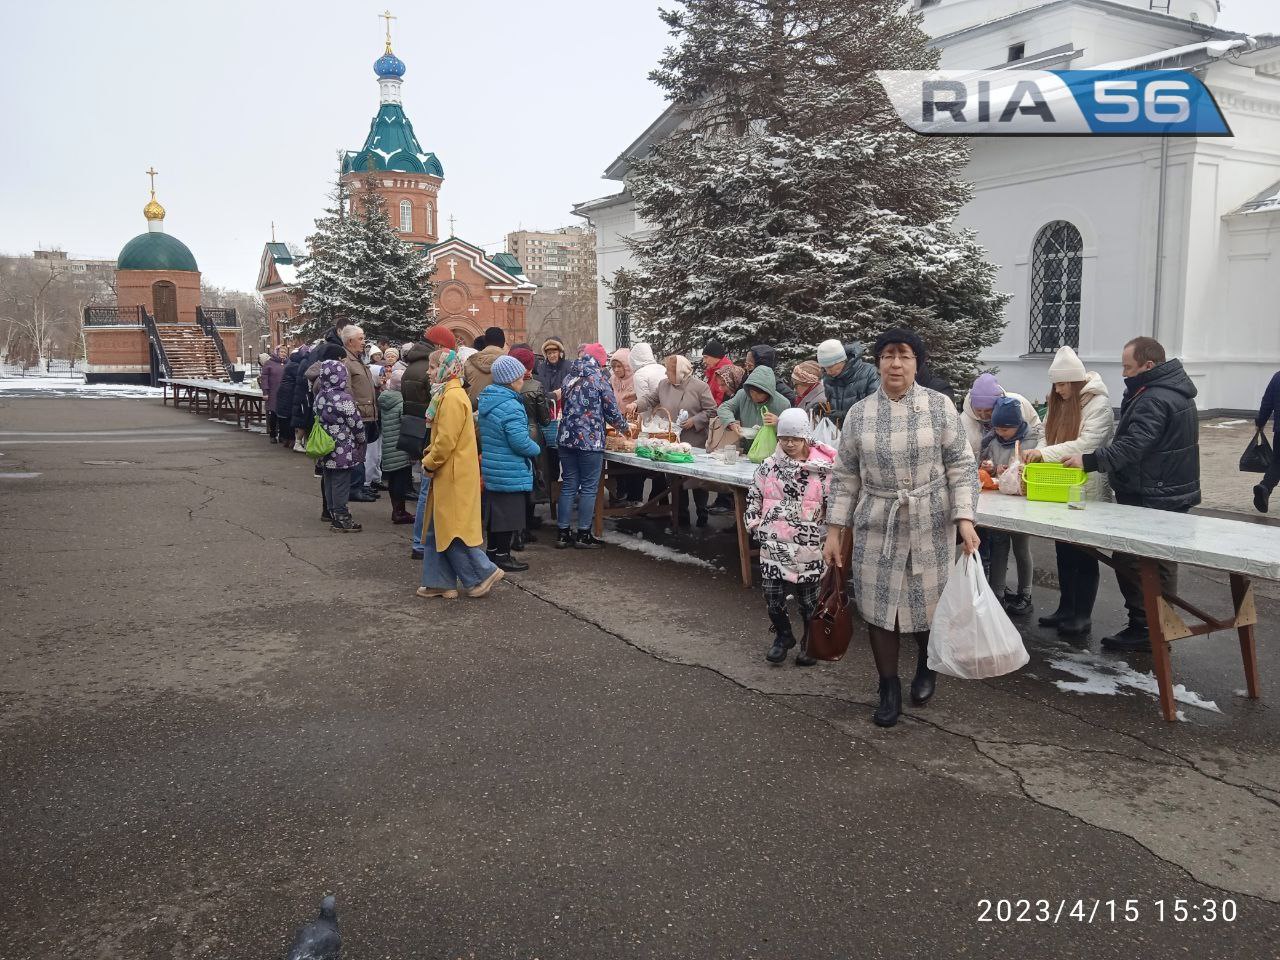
<point>431,218</point>
<point>1056,268</point>
<point>406,216</point>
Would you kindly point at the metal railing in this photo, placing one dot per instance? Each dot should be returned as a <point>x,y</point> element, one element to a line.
<point>208,323</point>
<point>157,345</point>
<point>220,316</point>
<point>112,316</point>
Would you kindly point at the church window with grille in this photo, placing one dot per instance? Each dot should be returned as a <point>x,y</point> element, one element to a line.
<point>406,216</point>
<point>1057,264</point>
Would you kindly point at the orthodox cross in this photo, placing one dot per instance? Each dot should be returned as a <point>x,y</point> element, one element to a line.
<point>273,231</point>
<point>386,15</point>
<point>473,310</point>
<point>151,172</point>
<point>453,268</point>
<point>451,231</point>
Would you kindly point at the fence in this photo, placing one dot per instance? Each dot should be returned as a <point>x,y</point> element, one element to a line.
<point>51,368</point>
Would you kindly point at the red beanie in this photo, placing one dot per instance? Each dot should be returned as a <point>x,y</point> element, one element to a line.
<point>525,356</point>
<point>596,351</point>
<point>441,336</point>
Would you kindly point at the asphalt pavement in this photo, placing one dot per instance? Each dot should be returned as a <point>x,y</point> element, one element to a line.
<point>213,711</point>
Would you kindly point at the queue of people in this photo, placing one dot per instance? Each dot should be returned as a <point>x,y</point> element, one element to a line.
<point>495,429</point>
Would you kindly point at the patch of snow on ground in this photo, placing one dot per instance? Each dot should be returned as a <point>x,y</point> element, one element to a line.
<point>66,387</point>
<point>1108,677</point>
<point>656,550</point>
<point>18,476</point>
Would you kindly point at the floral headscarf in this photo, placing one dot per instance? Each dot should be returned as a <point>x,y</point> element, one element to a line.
<point>333,377</point>
<point>731,376</point>
<point>450,369</point>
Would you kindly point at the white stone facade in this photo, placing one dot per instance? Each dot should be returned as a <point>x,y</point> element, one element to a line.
<point>1218,300</point>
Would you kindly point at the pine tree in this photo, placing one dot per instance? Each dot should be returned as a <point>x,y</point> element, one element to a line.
<point>793,206</point>
<point>359,268</point>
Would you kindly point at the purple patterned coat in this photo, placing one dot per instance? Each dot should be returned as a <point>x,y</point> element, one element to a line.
<point>336,410</point>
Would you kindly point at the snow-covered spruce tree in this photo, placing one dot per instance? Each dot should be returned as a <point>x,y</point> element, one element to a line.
<point>794,206</point>
<point>360,269</point>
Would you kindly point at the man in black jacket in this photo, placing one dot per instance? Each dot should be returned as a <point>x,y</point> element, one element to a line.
<point>1153,461</point>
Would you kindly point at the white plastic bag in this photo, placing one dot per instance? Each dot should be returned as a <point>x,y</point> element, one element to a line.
<point>972,636</point>
<point>1010,482</point>
<point>826,432</point>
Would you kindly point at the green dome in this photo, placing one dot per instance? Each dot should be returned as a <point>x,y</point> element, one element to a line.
<point>156,251</point>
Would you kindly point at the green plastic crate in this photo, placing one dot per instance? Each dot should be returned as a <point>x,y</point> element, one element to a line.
<point>1051,482</point>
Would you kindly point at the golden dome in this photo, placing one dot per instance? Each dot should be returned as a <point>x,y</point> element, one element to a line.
<point>153,210</point>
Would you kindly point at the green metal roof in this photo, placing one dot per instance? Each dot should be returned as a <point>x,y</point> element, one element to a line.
<point>280,252</point>
<point>156,251</point>
<point>391,145</point>
<point>507,262</point>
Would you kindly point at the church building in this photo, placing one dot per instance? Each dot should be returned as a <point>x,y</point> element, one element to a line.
<point>1098,239</point>
<point>473,291</point>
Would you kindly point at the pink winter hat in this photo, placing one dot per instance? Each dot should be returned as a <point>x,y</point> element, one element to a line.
<point>986,391</point>
<point>597,352</point>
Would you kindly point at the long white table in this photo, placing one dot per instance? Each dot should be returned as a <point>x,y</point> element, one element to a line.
<point>1244,551</point>
<point>216,397</point>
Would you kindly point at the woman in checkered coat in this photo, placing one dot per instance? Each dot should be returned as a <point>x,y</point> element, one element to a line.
<point>904,484</point>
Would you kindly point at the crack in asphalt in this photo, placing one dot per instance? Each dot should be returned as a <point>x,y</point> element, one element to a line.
<point>1176,762</point>
<point>289,548</point>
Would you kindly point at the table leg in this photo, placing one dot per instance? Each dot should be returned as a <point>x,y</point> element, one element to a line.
<point>1160,658</point>
<point>1248,650</point>
<point>744,541</point>
<point>601,492</point>
<point>675,485</point>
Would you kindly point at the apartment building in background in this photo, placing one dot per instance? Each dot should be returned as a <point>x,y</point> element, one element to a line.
<point>563,260</point>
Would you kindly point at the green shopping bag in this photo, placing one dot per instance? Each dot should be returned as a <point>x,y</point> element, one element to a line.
<point>319,442</point>
<point>765,443</point>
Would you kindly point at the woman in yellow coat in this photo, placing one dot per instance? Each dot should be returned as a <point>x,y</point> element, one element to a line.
<point>452,543</point>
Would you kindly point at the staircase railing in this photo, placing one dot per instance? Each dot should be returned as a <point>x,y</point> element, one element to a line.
<point>153,335</point>
<point>208,323</point>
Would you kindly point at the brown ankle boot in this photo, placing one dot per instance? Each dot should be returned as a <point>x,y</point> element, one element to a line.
<point>399,514</point>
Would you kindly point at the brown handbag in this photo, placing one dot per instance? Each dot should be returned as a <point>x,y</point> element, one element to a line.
<point>829,631</point>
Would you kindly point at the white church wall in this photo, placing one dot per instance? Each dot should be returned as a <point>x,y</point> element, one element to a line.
<point>948,16</point>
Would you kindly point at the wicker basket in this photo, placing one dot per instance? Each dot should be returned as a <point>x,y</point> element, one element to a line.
<point>668,434</point>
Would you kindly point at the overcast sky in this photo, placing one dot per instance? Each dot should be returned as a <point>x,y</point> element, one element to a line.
<point>241,106</point>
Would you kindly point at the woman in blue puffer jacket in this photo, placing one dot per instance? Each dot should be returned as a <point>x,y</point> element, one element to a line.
<point>506,454</point>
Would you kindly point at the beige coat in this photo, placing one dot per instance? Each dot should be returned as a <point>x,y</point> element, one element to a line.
<point>693,395</point>
<point>361,386</point>
<point>903,476</point>
<point>477,373</point>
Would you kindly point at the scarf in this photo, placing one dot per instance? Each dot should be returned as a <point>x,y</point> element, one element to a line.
<point>450,369</point>
<point>678,369</point>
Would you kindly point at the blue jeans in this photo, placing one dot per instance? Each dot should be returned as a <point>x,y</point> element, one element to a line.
<point>580,481</point>
<point>424,487</point>
<point>442,571</point>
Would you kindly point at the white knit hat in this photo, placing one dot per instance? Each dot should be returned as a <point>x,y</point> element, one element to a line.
<point>1066,367</point>
<point>830,352</point>
<point>794,423</point>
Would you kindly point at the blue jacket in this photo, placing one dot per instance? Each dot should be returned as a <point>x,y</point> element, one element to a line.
<point>505,445</point>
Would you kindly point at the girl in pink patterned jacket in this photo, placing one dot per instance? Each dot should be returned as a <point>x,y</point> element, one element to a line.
<point>787,511</point>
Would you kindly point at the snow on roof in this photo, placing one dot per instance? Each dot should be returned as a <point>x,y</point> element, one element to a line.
<point>288,272</point>
<point>1268,201</point>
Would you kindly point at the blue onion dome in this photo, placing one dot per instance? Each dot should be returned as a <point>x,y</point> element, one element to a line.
<point>388,65</point>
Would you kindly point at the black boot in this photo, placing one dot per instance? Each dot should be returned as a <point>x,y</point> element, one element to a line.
<point>890,708</point>
<point>564,538</point>
<point>324,512</point>
<point>925,681</point>
<point>586,540</point>
<point>1084,591</point>
<point>517,541</point>
<point>505,561</point>
<point>343,523</point>
<point>803,659</point>
<point>1261,498</point>
<point>783,638</point>
<point>1064,611</point>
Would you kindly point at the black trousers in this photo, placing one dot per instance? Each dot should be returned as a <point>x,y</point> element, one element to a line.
<point>1272,477</point>
<point>273,425</point>
<point>1078,578</point>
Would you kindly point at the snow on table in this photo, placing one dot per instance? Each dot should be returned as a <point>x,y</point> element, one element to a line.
<point>217,386</point>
